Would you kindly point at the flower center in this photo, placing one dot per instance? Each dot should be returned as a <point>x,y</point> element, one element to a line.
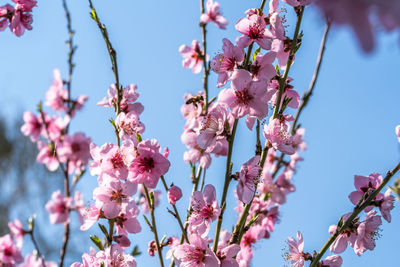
<point>145,164</point>
<point>243,96</point>
<point>117,161</point>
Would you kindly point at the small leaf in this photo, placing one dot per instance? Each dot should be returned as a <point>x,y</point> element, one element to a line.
<point>96,240</point>
<point>103,229</point>
<point>136,251</point>
<point>138,137</point>
<point>256,53</point>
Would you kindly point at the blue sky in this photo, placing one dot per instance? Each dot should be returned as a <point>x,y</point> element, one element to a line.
<point>349,122</point>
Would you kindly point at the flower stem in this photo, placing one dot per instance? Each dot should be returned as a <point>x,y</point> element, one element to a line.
<point>307,95</point>
<point>153,225</point>
<point>357,210</point>
<point>204,54</point>
<point>238,230</point>
<point>282,81</point>
<point>176,215</point>
<point>228,171</point>
<point>35,244</point>
<point>111,52</point>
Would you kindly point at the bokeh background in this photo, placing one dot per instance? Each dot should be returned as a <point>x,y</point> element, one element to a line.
<point>349,122</point>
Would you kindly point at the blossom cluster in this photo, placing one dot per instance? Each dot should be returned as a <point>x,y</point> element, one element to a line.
<point>253,80</point>
<point>11,246</point>
<point>255,85</point>
<point>57,148</point>
<point>18,18</point>
<point>359,234</point>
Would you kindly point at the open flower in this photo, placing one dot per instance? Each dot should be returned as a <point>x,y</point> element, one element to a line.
<point>246,97</point>
<point>213,14</point>
<point>192,56</point>
<point>253,30</point>
<point>248,178</point>
<point>195,254</point>
<point>149,165</point>
<point>205,210</point>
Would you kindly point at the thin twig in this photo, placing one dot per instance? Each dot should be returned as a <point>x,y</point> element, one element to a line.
<point>357,210</point>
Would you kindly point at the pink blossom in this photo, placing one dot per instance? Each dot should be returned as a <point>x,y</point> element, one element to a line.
<point>58,207</point>
<point>367,232</point>
<point>113,195</point>
<point>88,259</point>
<point>253,30</point>
<point>278,134</point>
<point>174,194</point>
<point>224,64</point>
<point>33,126</point>
<point>205,210</point>
<point>127,222</point>
<point>296,250</point>
<point>57,95</point>
<point>213,126</point>
<point>149,165</point>
<point>262,68</point>
<point>129,96</point>
<point>192,109</point>
<point>244,256</point>
<point>10,254</point>
<point>91,215</point>
<point>109,159</point>
<point>25,5</point>
<point>5,11</point>
<point>246,97</point>
<point>111,256</point>
<point>213,14</point>
<point>34,261</point>
<point>21,20</point>
<point>398,132</point>
<point>364,185</point>
<point>227,255</point>
<point>47,156</point>
<point>195,254</point>
<point>332,261</point>
<point>288,92</point>
<point>192,56</point>
<point>17,232</point>
<point>76,150</point>
<point>198,156</point>
<point>79,206</point>
<point>348,235</point>
<point>129,125</point>
<point>386,204</point>
<point>248,179</point>
<point>254,234</point>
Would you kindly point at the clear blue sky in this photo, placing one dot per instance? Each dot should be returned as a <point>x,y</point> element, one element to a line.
<point>349,122</point>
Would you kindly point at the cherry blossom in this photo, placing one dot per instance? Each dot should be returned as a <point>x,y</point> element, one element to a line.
<point>246,97</point>
<point>192,56</point>
<point>213,14</point>
<point>195,254</point>
<point>205,210</point>
<point>149,165</point>
<point>224,64</point>
<point>174,194</point>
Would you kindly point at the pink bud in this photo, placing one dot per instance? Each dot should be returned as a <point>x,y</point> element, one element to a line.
<point>174,194</point>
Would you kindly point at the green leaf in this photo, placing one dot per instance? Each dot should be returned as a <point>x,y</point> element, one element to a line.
<point>96,240</point>
<point>138,137</point>
<point>256,53</point>
<point>135,251</point>
<point>103,229</point>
